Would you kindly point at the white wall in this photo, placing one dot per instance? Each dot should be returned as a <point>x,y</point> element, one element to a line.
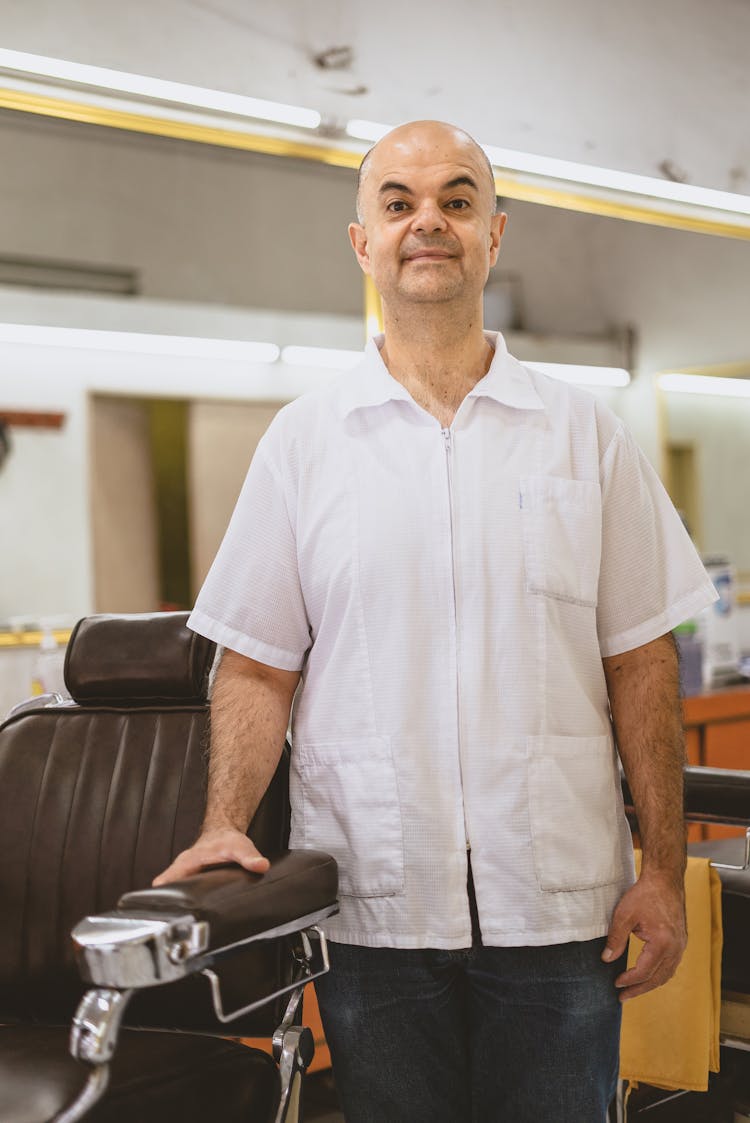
<point>622,86</point>
<point>45,510</point>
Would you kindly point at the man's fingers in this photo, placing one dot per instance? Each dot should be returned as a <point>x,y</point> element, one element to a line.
<point>645,967</point>
<point>211,850</point>
<point>655,966</point>
<point>661,975</point>
<point>257,863</point>
<point>171,873</point>
<point>618,935</point>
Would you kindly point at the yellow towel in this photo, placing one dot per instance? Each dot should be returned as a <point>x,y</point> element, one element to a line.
<point>670,1036</point>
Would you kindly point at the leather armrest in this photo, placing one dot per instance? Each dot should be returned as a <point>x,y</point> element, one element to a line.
<point>719,795</point>
<point>238,904</point>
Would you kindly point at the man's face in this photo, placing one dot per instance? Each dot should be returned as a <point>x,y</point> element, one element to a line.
<point>427,233</point>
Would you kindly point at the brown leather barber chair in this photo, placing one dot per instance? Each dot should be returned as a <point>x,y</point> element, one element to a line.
<point>97,795</point>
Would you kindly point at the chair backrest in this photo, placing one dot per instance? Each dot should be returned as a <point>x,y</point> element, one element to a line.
<point>98,795</point>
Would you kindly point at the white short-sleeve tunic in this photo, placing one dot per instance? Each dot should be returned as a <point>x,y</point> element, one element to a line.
<point>449,595</point>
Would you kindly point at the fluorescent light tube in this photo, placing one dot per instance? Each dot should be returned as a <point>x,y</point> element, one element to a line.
<point>583,375</point>
<point>617,180</point>
<point>139,343</point>
<point>367,130</point>
<point>705,384</point>
<point>333,359</point>
<point>99,77</point>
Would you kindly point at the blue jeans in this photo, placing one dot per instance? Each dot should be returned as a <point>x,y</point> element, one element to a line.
<point>486,1034</point>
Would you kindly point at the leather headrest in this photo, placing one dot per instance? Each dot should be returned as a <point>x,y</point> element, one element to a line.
<point>145,658</point>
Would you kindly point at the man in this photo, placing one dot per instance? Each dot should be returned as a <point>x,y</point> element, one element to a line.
<point>462,565</point>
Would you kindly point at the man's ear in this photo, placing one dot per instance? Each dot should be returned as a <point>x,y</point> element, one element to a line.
<point>497,226</point>
<point>358,239</point>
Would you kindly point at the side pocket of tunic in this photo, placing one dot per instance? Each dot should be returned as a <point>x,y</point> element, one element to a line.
<point>575,808</point>
<point>345,801</point>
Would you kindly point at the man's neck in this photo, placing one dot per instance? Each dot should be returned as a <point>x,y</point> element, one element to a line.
<point>438,360</point>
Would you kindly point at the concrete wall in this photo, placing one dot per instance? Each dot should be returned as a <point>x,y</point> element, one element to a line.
<point>196,223</point>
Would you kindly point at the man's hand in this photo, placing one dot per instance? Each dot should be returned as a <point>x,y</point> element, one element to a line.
<point>250,710</point>
<point>654,911</point>
<point>212,848</point>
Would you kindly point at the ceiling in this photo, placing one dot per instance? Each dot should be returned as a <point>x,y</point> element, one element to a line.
<point>658,89</point>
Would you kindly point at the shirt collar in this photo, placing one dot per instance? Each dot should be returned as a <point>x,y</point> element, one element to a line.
<point>507,381</point>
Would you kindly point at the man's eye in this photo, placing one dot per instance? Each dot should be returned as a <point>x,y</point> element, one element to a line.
<point>397,206</point>
<point>458,204</point>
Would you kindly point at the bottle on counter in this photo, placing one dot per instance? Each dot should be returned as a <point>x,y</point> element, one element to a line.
<point>720,624</point>
<point>691,650</point>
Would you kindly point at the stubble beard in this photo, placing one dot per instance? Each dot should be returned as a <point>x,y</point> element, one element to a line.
<point>426,290</point>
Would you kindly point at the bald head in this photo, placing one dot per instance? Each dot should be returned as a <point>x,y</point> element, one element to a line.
<point>429,137</point>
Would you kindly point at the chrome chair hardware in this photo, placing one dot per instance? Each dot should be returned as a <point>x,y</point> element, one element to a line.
<point>294,1046</point>
<point>96,1024</point>
<point>746,860</point>
<point>297,1053</point>
<point>93,1040</point>
<point>290,1017</point>
<point>39,701</point>
<point>189,940</point>
<point>92,1092</point>
<point>131,951</point>
<point>311,968</point>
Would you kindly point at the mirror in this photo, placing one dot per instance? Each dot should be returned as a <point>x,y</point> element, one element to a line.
<point>707,456</point>
<point>111,230</point>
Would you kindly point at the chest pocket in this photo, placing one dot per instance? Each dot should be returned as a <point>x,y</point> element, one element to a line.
<point>561,524</point>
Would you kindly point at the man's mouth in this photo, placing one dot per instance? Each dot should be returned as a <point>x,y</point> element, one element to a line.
<point>428,255</point>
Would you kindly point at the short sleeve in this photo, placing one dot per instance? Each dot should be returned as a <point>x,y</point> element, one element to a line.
<point>251,600</point>
<point>651,577</point>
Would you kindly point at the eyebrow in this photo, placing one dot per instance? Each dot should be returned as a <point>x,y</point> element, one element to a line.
<point>459,181</point>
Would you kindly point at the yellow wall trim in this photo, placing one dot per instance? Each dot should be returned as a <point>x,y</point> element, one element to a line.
<point>507,185</point>
<point>32,639</point>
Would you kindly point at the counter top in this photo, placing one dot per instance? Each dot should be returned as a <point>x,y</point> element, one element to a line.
<point>727,703</point>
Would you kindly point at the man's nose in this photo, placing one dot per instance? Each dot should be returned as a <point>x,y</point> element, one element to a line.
<point>428,217</point>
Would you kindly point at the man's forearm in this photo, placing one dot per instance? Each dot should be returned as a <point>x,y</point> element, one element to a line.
<point>249,719</point>
<point>643,687</point>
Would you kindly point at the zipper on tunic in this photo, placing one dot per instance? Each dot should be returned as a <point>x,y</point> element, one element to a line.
<point>447,436</point>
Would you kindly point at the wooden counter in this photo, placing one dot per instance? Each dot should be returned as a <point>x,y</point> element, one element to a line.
<point>717,733</point>
<point>717,726</point>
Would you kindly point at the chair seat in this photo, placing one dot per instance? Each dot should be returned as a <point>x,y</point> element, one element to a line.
<point>735,910</point>
<point>154,1077</point>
